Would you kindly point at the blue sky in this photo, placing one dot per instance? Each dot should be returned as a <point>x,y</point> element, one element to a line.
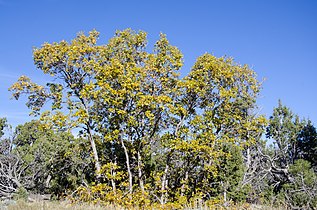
<point>277,38</point>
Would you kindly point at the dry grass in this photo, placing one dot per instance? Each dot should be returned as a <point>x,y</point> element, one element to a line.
<point>51,205</point>
<point>54,205</point>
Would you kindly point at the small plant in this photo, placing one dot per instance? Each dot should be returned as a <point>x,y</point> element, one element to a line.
<point>21,194</point>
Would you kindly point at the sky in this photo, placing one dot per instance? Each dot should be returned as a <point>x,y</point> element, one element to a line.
<point>276,38</point>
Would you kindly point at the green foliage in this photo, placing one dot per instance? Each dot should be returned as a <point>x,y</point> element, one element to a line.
<point>58,161</point>
<point>286,166</point>
<point>307,144</point>
<point>231,171</point>
<point>3,124</point>
<point>284,127</point>
<point>302,191</point>
<point>21,194</point>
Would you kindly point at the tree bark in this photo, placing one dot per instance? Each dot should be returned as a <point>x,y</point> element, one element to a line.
<point>91,138</point>
<point>164,184</point>
<point>140,172</point>
<point>185,182</point>
<point>128,165</point>
<point>95,153</point>
<point>113,174</point>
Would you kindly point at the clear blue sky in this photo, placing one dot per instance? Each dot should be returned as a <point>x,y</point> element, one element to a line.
<point>278,39</point>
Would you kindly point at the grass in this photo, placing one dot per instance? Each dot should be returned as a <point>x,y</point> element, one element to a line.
<point>54,205</point>
<point>64,205</point>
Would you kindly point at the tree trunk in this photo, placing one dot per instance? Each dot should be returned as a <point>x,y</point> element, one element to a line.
<point>128,166</point>
<point>91,139</point>
<point>185,182</point>
<point>140,172</point>
<point>47,182</point>
<point>113,174</point>
<point>248,164</point>
<point>224,191</point>
<point>95,154</point>
<point>164,184</point>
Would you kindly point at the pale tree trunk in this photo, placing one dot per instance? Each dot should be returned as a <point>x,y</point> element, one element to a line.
<point>185,182</point>
<point>224,186</point>
<point>95,153</point>
<point>114,189</point>
<point>164,185</point>
<point>128,166</point>
<point>113,174</point>
<point>140,172</point>
<point>248,164</point>
<point>47,182</point>
<point>91,138</point>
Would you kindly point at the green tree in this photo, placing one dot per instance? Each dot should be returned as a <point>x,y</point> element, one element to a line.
<point>3,124</point>
<point>284,166</point>
<point>307,144</point>
<point>228,181</point>
<point>284,128</point>
<point>302,192</point>
<point>55,161</point>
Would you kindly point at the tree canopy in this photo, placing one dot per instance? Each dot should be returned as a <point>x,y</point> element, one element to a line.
<point>147,136</point>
